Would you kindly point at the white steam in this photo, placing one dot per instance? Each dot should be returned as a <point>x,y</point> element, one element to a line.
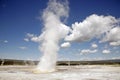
<point>54,30</point>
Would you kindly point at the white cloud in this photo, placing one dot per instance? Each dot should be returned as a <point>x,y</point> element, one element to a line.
<point>117,43</point>
<point>65,45</point>
<point>63,30</point>
<point>94,45</point>
<point>26,39</point>
<point>5,41</point>
<point>23,47</point>
<point>84,51</point>
<point>106,51</point>
<point>34,38</point>
<point>29,35</point>
<point>93,26</point>
<point>113,36</point>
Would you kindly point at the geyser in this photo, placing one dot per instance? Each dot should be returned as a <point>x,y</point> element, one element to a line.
<point>54,30</point>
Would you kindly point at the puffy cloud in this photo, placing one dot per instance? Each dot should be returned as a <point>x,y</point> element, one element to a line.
<point>113,36</point>
<point>63,30</point>
<point>23,47</point>
<point>93,26</point>
<point>94,45</point>
<point>84,51</point>
<point>35,39</point>
<point>32,37</point>
<point>65,45</point>
<point>106,51</point>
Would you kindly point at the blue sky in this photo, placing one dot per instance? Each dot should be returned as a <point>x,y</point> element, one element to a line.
<point>19,17</point>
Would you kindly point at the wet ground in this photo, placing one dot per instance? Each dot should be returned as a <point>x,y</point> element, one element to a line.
<point>82,72</point>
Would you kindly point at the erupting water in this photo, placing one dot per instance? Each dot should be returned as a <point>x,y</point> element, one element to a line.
<point>54,30</point>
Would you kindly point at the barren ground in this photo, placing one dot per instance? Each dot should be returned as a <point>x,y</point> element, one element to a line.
<point>82,72</point>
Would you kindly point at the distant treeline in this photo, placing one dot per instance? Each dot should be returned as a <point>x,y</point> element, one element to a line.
<point>30,62</point>
<point>100,62</point>
<point>17,62</point>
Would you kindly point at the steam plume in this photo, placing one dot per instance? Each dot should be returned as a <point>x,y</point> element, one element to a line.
<point>54,30</point>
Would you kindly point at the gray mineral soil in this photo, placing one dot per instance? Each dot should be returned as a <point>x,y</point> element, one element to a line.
<point>81,72</point>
